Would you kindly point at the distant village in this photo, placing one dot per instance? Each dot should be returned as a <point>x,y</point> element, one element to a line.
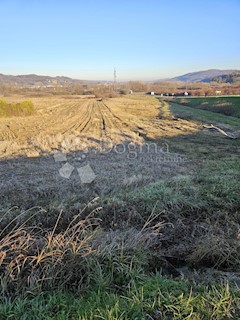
<point>177,94</point>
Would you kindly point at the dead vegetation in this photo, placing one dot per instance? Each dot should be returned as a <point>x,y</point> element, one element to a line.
<point>67,124</point>
<point>37,259</point>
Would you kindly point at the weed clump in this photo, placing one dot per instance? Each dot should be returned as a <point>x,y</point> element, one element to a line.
<point>19,109</point>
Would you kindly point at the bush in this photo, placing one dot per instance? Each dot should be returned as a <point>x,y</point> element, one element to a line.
<point>19,109</point>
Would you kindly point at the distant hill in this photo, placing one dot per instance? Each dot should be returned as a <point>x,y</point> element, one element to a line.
<point>36,80</point>
<point>228,78</point>
<point>203,76</point>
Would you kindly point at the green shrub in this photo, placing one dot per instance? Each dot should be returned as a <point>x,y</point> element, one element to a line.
<point>20,109</point>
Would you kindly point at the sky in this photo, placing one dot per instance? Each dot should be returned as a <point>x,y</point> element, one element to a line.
<point>142,39</point>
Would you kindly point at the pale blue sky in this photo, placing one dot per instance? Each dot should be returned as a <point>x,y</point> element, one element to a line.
<point>143,39</point>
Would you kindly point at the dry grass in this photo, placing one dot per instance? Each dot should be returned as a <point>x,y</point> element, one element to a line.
<point>36,259</point>
<point>58,121</point>
<point>217,251</point>
<point>33,259</point>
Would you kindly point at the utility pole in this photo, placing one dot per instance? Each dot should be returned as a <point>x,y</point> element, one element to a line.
<point>114,79</point>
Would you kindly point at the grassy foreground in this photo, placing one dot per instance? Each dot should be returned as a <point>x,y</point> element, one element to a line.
<point>148,297</point>
<point>84,272</point>
<point>120,257</point>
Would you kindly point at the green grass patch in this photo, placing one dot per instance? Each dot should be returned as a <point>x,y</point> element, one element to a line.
<point>20,109</point>
<point>204,116</point>
<point>198,212</point>
<point>196,190</point>
<point>229,106</point>
<point>152,297</point>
